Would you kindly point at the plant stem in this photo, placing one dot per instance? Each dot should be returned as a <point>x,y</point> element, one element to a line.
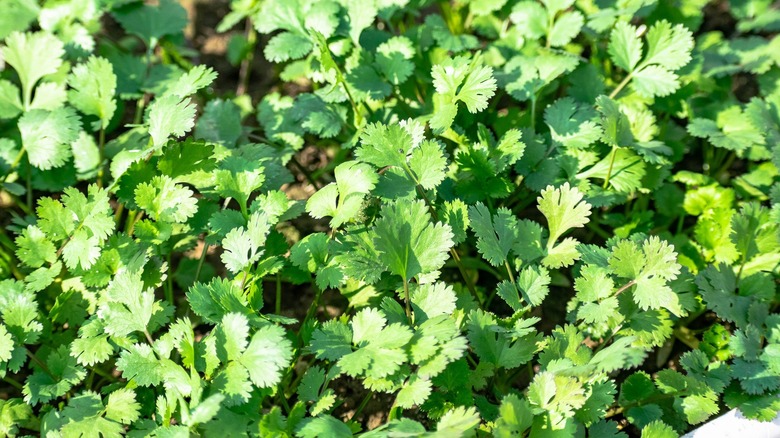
<point>408,301</point>
<point>305,172</point>
<point>40,363</point>
<point>611,164</point>
<point>202,259</point>
<point>246,63</point>
<point>624,287</point>
<point>363,404</point>
<point>13,383</point>
<point>621,85</point>
<point>149,337</point>
<point>169,284</point>
<point>101,155</point>
<point>435,216</point>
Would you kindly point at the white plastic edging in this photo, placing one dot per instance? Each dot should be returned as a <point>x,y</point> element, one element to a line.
<point>733,425</point>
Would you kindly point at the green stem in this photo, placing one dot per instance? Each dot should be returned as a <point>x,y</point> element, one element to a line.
<point>13,383</point>
<point>149,338</point>
<point>363,404</point>
<point>201,260</point>
<point>621,85</point>
<point>408,302</point>
<point>29,197</point>
<point>435,216</point>
<point>169,284</point>
<point>246,63</point>
<point>611,164</point>
<point>40,364</point>
<point>101,155</point>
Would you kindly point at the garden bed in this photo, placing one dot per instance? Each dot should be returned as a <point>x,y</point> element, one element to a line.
<point>389,218</point>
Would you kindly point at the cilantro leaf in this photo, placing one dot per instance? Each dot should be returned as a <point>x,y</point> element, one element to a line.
<point>409,243</point>
<point>668,49</point>
<point>93,85</point>
<point>343,199</point>
<point>47,136</point>
<point>166,201</point>
<point>464,80</point>
<point>33,56</point>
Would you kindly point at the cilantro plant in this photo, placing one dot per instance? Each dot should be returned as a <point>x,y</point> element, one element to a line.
<point>382,218</point>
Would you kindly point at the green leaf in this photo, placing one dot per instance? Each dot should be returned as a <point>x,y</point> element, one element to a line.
<point>493,345</point>
<point>33,248</point>
<point>409,243</point>
<point>122,406</point>
<point>625,46</point>
<point>18,14</point>
<point>140,364</point>
<point>465,80</point>
<point>220,123</point>
<point>14,413</point>
<point>47,136</point>
<point>163,200</point>
<point>322,427</point>
<point>394,59</point>
<point>650,268</point>
<point>215,300</point>
<point>82,250</point>
<point>6,344</point>
<point>127,306</point>
<point>268,354</point>
<point>93,85</point>
<point>564,209</point>
<point>380,347</point>
<point>565,28</point>
<point>496,235</point>
<point>63,374</point>
<point>571,123</point>
<point>151,22</point>
<point>343,200</point>
<point>414,392</point>
<point>668,49</point>
<point>170,115</point>
<point>33,56</point>
<point>10,102</point>
<point>515,417</point>
<point>244,246</point>
<point>384,145</point>
<point>659,429</point>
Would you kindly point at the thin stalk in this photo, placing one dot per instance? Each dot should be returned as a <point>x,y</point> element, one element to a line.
<point>621,85</point>
<point>246,63</point>
<point>363,404</point>
<point>40,363</point>
<point>149,337</point>
<point>169,284</point>
<point>650,400</point>
<point>201,260</point>
<point>624,287</point>
<point>408,301</point>
<point>139,109</point>
<point>609,171</point>
<point>13,383</point>
<point>101,155</point>
<point>305,172</point>
<point>435,216</point>
<point>29,186</point>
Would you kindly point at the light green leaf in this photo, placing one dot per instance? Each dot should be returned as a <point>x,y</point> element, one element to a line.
<point>564,209</point>
<point>93,85</point>
<point>47,136</point>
